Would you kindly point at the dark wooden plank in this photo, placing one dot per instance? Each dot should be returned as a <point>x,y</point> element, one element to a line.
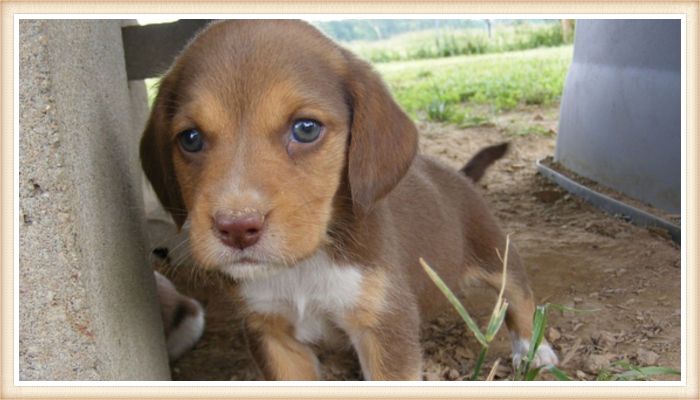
<point>150,49</point>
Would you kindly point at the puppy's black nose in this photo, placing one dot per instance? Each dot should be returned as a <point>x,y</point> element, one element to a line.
<point>239,229</point>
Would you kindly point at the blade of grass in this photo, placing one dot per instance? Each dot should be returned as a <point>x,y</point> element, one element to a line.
<point>499,310</point>
<point>492,373</point>
<point>455,303</point>
<point>560,307</point>
<point>531,374</point>
<point>479,363</point>
<point>505,269</point>
<point>538,324</point>
<point>645,372</point>
<point>496,322</point>
<point>559,374</point>
<point>623,364</point>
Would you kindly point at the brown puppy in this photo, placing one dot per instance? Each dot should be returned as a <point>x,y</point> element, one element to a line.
<point>297,175</point>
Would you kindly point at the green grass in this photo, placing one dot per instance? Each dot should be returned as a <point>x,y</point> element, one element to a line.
<point>470,90</point>
<point>618,371</point>
<point>520,129</point>
<point>449,42</point>
<point>152,90</point>
<point>625,371</point>
<point>523,371</point>
<point>445,89</point>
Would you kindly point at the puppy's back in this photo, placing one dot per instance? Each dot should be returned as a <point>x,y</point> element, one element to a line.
<point>438,215</point>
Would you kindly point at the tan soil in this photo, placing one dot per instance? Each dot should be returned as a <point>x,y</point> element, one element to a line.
<point>576,255</point>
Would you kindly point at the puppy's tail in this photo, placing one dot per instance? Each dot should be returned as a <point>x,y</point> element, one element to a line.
<point>476,167</point>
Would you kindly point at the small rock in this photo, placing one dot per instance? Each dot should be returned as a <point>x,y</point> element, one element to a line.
<point>596,362</point>
<point>580,374</point>
<point>433,372</point>
<point>604,340</point>
<point>432,376</point>
<point>452,374</point>
<point>548,196</point>
<point>577,299</point>
<point>647,357</point>
<point>503,371</point>
<point>553,335</point>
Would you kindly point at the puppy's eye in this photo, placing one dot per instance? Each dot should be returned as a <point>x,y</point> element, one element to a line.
<point>306,130</point>
<point>191,140</point>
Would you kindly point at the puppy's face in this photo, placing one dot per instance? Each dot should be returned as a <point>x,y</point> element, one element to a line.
<point>250,137</point>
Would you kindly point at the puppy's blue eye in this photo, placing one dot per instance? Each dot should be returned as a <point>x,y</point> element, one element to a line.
<point>191,140</point>
<point>306,130</point>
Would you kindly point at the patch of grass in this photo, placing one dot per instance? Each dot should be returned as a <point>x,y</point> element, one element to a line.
<point>497,316</point>
<point>622,370</point>
<point>625,371</point>
<point>447,89</point>
<point>439,111</point>
<point>500,81</point>
<point>152,90</point>
<point>450,42</point>
<point>519,130</point>
<point>470,121</point>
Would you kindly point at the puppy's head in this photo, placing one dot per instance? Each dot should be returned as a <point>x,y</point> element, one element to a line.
<point>256,127</point>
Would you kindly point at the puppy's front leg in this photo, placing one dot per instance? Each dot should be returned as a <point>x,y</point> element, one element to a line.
<point>388,356</point>
<point>277,352</point>
<point>385,332</point>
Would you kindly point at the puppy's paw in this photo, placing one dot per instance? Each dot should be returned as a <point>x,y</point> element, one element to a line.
<point>183,318</point>
<point>545,355</point>
<point>187,332</point>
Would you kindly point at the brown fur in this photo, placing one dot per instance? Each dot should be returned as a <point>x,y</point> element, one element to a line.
<point>280,356</point>
<point>476,167</point>
<point>360,193</point>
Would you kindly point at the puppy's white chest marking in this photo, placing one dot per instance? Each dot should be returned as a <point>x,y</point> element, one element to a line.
<point>310,294</point>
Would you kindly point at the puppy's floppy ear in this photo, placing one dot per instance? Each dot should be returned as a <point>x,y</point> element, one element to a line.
<point>383,139</point>
<point>156,152</point>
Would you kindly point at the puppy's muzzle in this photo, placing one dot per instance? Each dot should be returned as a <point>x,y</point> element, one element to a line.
<point>239,228</point>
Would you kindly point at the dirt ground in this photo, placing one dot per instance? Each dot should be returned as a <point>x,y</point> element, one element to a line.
<point>576,255</point>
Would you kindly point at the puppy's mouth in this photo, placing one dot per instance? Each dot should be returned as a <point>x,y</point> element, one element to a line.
<point>247,257</point>
<point>247,260</point>
<point>248,269</point>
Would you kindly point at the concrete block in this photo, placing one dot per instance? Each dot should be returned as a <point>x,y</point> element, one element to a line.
<point>88,306</point>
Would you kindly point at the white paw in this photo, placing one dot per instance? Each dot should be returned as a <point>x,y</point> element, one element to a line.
<point>544,355</point>
<point>185,335</point>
